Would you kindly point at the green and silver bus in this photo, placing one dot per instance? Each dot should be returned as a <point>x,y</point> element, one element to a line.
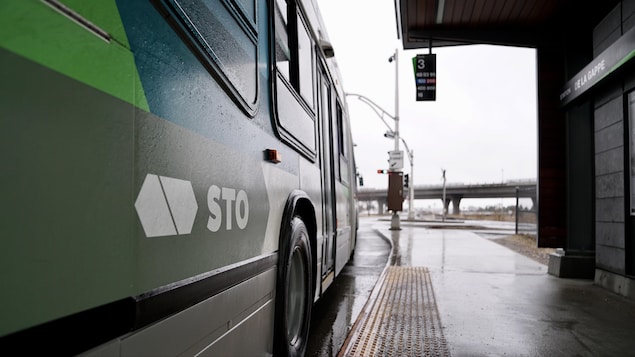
<point>177,176</point>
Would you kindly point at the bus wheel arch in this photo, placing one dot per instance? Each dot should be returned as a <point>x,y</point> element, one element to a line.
<point>295,286</point>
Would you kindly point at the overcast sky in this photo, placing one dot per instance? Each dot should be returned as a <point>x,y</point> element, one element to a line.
<point>482,126</point>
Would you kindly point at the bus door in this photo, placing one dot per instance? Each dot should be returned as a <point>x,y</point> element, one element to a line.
<point>328,181</point>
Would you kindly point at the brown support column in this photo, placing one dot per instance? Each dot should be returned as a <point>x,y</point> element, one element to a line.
<point>552,193</point>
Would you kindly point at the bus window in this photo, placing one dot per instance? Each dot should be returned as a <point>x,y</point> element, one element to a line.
<point>294,50</point>
<point>283,54</point>
<point>343,142</point>
<point>342,133</point>
<point>294,78</point>
<point>249,9</point>
<point>305,63</point>
<point>227,42</point>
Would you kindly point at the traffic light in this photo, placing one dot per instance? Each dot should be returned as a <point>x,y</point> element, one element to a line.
<point>406,181</point>
<point>382,171</point>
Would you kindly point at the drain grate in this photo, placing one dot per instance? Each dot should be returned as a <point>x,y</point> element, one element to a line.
<point>403,319</point>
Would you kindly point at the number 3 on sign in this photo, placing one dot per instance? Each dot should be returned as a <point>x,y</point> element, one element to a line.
<point>421,63</point>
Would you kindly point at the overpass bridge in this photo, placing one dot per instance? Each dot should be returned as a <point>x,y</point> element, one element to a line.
<point>454,193</point>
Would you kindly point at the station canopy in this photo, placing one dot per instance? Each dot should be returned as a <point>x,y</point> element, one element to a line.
<point>526,23</point>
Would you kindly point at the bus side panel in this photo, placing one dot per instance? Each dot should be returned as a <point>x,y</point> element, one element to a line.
<point>196,140</point>
<point>310,182</point>
<point>343,253</point>
<point>202,205</point>
<point>35,30</point>
<point>68,215</point>
<point>202,327</point>
<point>343,250</point>
<point>220,325</point>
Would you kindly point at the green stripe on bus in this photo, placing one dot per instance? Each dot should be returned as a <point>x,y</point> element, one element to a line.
<point>34,30</point>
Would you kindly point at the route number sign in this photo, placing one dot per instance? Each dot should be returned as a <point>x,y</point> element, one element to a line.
<point>425,68</point>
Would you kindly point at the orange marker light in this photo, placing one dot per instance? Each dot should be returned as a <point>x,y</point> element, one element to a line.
<point>273,156</point>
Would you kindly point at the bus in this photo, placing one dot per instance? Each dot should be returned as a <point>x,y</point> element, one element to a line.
<point>177,176</point>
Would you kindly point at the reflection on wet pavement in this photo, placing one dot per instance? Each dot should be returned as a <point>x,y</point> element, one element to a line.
<point>491,300</point>
<point>336,312</point>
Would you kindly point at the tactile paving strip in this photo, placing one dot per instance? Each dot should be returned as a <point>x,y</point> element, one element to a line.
<point>403,319</point>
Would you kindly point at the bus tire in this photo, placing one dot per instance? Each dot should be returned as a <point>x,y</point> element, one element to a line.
<point>294,292</point>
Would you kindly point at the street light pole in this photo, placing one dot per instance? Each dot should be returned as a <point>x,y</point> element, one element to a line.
<point>394,222</point>
<point>411,191</point>
<point>411,187</point>
<point>396,58</point>
<point>444,211</point>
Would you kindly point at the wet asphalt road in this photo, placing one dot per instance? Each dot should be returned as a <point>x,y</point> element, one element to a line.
<point>336,312</point>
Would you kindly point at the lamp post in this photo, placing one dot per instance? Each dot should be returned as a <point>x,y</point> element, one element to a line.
<point>411,189</point>
<point>394,223</point>
<point>395,57</point>
<point>375,107</point>
<point>444,211</point>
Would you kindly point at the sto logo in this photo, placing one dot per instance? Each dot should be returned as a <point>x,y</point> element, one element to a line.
<point>167,206</point>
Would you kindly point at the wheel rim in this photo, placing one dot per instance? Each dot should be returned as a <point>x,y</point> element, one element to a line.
<point>296,296</point>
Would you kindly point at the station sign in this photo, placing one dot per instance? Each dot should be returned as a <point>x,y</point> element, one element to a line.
<point>395,160</point>
<point>615,56</point>
<point>425,69</point>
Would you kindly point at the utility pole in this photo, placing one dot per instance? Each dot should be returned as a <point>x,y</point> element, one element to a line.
<point>444,212</point>
<point>394,222</point>
<point>411,189</point>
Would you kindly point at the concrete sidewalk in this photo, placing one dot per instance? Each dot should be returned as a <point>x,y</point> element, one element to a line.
<point>492,301</point>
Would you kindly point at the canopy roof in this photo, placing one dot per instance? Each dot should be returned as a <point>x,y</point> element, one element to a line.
<point>530,23</point>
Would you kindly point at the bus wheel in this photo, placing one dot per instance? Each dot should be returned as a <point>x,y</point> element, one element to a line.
<point>294,294</point>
